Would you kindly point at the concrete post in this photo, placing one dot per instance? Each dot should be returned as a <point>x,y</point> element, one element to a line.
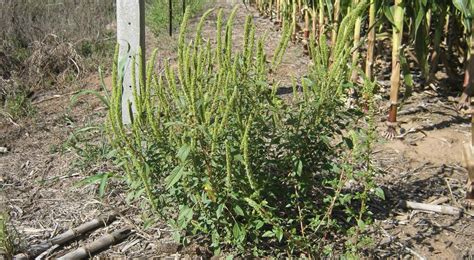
<point>131,38</point>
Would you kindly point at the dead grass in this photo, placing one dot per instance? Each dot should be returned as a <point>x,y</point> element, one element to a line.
<point>28,25</point>
<point>27,21</point>
<point>47,43</point>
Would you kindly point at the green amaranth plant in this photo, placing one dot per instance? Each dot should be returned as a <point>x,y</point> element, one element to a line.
<point>219,155</point>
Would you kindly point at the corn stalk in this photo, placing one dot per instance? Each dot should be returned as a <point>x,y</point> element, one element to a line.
<point>321,23</point>
<point>466,8</point>
<point>370,41</point>
<point>355,54</point>
<point>419,14</point>
<point>278,13</point>
<point>398,15</point>
<point>442,9</point>
<point>306,22</point>
<point>335,24</point>
<point>293,19</point>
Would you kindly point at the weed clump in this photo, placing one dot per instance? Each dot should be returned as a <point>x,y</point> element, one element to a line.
<point>217,153</point>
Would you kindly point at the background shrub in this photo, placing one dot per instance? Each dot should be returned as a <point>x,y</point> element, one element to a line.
<point>158,13</point>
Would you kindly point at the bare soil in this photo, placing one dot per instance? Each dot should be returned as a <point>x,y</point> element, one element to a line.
<point>39,173</point>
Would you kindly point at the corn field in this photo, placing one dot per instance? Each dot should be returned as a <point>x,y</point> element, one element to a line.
<point>439,32</point>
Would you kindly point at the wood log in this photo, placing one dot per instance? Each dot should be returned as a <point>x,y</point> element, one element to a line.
<point>68,236</point>
<point>98,245</point>
<point>433,208</point>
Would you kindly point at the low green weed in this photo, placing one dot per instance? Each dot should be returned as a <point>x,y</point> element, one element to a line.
<point>217,153</point>
<point>7,243</point>
<point>17,104</point>
<point>90,143</point>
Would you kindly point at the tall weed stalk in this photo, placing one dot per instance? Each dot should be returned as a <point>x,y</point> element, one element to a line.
<point>216,152</point>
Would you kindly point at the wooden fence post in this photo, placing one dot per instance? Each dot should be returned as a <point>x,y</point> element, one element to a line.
<point>131,39</point>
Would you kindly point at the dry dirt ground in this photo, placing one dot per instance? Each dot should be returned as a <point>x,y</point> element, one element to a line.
<point>40,172</point>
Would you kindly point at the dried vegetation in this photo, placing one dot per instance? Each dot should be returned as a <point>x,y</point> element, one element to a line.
<point>46,43</point>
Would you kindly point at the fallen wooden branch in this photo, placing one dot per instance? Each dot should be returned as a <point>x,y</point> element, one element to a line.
<point>433,208</point>
<point>68,236</point>
<point>98,245</point>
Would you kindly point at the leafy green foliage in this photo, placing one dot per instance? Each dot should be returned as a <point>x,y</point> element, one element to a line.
<point>466,7</point>
<point>220,155</point>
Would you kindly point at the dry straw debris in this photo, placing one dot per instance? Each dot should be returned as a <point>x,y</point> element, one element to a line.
<point>51,58</point>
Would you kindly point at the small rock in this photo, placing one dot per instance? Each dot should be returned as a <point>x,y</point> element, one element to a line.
<point>3,150</point>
